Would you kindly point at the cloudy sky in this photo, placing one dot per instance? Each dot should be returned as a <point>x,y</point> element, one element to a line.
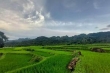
<point>33,18</point>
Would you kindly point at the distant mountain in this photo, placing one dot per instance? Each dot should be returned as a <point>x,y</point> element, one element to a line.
<point>100,37</point>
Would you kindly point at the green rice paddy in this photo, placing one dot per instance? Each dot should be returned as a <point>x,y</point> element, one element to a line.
<point>54,59</point>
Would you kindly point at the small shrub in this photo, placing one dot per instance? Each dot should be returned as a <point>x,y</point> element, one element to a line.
<point>29,49</point>
<point>36,59</point>
<point>1,54</point>
<point>97,49</point>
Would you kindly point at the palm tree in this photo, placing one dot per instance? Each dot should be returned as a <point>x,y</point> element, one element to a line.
<point>2,39</point>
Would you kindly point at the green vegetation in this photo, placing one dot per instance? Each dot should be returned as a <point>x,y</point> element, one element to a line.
<point>92,62</point>
<point>14,61</point>
<point>54,59</point>
<point>34,59</point>
<point>55,64</point>
<point>2,39</point>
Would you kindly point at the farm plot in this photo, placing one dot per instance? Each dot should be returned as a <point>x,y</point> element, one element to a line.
<point>54,64</point>
<point>44,54</point>
<point>14,61</point>
<point>93,62</point>
<point>33,59</point>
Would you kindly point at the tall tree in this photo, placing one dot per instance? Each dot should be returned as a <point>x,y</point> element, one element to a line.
<point>2,39</point>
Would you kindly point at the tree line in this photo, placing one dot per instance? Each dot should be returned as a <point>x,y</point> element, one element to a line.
<point>100,37</point>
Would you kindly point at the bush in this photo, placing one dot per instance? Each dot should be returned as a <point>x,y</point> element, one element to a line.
<point>36,59</point>
<point>29,49</point>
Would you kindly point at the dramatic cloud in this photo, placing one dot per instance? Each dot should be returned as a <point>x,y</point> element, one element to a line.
<point>28,16</point>
<point>32,18</point>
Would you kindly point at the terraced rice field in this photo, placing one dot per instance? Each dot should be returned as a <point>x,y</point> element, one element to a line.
<point>21,60</point>
<point>92,62</point>
<point>14,61</point>
<point>54,59</point>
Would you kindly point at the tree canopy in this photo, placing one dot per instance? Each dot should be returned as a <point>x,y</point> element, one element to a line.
<point>2,39</point>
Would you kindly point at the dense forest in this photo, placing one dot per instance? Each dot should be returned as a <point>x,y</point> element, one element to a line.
<point>100,37</point>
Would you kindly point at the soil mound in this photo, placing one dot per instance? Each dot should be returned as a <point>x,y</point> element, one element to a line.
<point>97,50</point>
<point>72,64</point>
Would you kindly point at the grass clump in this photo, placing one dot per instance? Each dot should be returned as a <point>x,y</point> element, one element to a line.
<point>28,49</point>
<point>36,58</point>
<point>1,54</point>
